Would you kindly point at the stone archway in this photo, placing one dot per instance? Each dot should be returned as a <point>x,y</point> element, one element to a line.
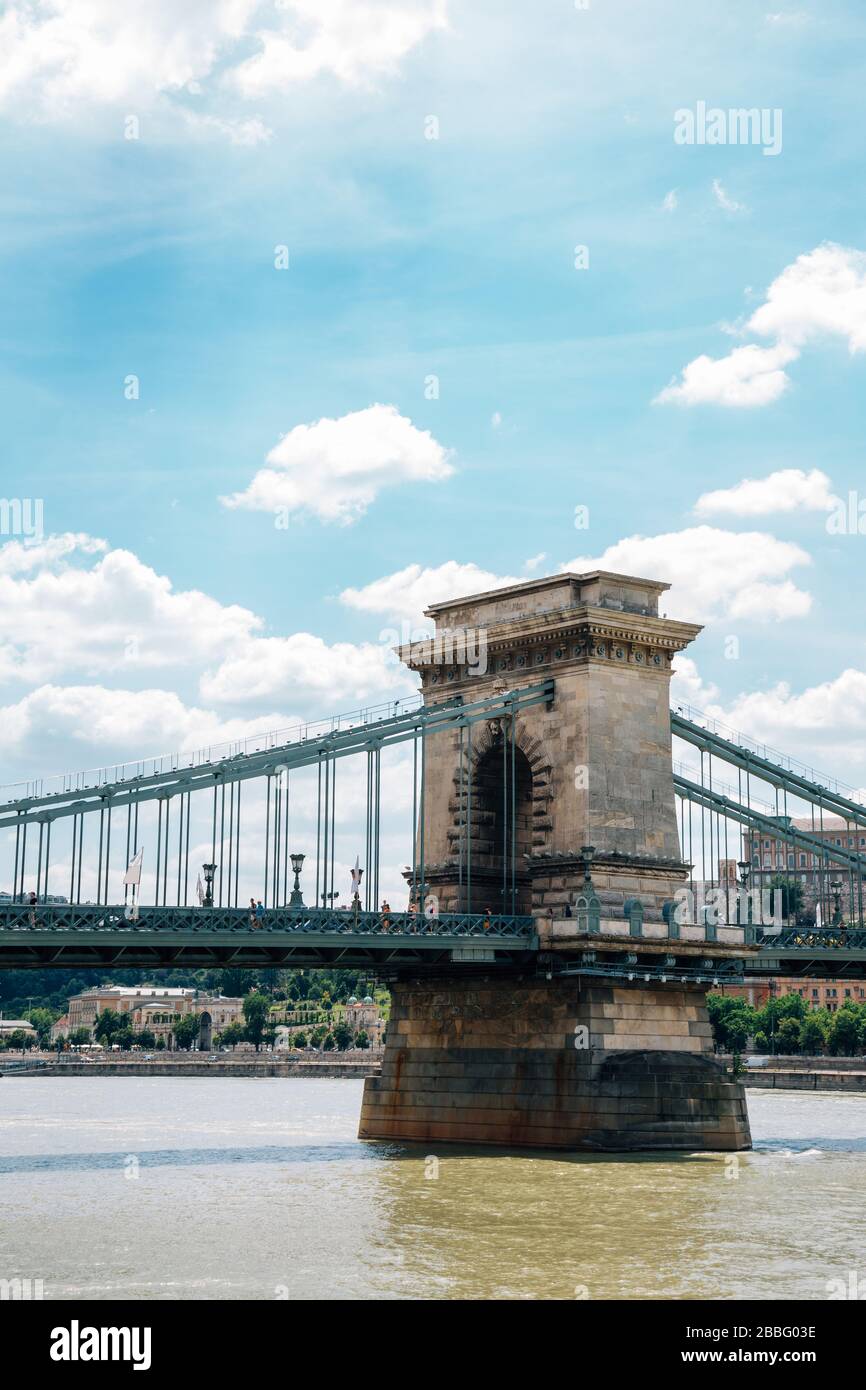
<point>501,801</point>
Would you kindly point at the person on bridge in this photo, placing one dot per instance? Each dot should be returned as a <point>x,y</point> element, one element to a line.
<point>252,912</point>
<point>260,913</point>
<point>386,919</point>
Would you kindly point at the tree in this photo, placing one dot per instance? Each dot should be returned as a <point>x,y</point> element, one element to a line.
<point>342,1036</point>
<point>231,1035</point>
<point>792,1006</point>
<point>255,1013</point>
<point>813,1033</point>
<point>761,1042</point>
<point>788,1036</point>
<point>300,1040</point>
<point>737,1030</point>
<point>145,1038</point>
<point>732,1020</point>
<point>844,1034</point>
<point>79,1036</point>
<point>186,1031</point>
<point>107,1024</point>
<point>43,1020</point>
<point>362,1040</point>
<point>328,1045</point>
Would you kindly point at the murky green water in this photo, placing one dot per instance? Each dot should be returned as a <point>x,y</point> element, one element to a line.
<point>258,1189</point>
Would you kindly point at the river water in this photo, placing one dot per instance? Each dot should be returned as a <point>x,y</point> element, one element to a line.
<point>175,1187</point>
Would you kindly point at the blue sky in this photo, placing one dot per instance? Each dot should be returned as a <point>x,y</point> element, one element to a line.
<point>304,125</point>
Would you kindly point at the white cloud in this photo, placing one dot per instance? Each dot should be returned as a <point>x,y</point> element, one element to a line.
<point>536,560</point>
<point>403,596</point>
<point>88,610</point>
<point>823,725</point>
<point>57,615</point>
<point>748,376</point>
<point>304,670</point>
<point>713,573</point>
<point>120,723</point>
<point>786,490</point>
<point>355,41</point>
<point>794,18</point>
<point>688,686</point>
<point>237,132</point>
<point>334,469</point>
<point>19,557</point>
<point>821,295</point>
<point>724,201</point>
<point>60,56</point>
<point>671,201</point>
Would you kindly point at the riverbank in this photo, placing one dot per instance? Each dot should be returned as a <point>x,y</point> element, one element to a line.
<point>268,1064</point>
<point>806,1073</point>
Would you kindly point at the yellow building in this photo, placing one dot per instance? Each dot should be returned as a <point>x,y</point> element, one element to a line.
<point>153,1008</point>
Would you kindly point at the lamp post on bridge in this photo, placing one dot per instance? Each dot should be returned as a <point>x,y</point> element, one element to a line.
<point>297,897</point>
<point>836,890</point>
<point>209,871</point>
<point>745,869</point>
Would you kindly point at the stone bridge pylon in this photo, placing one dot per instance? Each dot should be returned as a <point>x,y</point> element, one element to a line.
<point>565,812</point>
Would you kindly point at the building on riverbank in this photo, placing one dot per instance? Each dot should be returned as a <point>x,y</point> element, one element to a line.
<point>150,1008</point>
<point>818,993</point>
<point>362,1016</point>
<point>16,1025</point>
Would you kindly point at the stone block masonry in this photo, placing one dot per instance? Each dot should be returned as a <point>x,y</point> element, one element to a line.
<point>554,1064</point>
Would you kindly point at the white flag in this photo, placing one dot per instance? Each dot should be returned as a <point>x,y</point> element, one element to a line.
<point>199,890</point>
<point>356,875</point>
<point>133,870</point>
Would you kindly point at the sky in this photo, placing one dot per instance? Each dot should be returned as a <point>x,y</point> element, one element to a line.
<point>316,312</point>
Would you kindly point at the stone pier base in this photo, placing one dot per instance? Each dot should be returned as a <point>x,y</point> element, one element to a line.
<point>562,1064</point>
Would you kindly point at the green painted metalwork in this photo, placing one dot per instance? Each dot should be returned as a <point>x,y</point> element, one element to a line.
<point>714,801</point>
<point>163,937</point>
<point>768,771</point>
<point>421,722</point>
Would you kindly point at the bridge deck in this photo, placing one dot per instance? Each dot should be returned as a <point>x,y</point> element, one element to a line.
<point>94,936</point>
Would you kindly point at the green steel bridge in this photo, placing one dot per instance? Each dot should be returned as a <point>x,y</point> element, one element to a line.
<point>68,844</point>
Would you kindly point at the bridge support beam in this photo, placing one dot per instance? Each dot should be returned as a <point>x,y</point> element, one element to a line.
<point>572,1063</point>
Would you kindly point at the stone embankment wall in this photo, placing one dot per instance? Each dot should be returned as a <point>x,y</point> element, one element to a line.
<point>807,1074</point>
<point>248,1066</point>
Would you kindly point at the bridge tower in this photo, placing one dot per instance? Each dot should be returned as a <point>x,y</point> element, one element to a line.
<point>604,1042</point>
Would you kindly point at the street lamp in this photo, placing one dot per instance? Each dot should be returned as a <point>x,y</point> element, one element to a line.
<point>297,898</point>
<point>745,869</point>
<point>209,870</point>
<point>836,890</point>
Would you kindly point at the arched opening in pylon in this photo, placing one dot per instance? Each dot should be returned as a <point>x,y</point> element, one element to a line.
<point>501,830</point>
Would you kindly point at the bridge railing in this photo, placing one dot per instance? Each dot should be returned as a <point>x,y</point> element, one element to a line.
<point>74,917</point>
<point>813,939</point>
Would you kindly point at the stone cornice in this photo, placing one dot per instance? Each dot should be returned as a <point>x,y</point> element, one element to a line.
<point>566,637</point>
